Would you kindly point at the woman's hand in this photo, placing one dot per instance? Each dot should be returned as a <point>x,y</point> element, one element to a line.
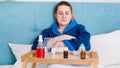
<point>58,41</point>
<point>51,43</point>
<point>59,44</point>
<point>63,37</point>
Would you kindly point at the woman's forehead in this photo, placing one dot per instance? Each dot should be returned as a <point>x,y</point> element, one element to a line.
<point>63,8</point>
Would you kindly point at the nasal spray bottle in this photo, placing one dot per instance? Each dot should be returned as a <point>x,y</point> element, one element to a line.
<point>40,51</point>
<point>82,51</point>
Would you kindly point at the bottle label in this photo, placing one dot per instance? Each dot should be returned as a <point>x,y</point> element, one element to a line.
<point>40,52</point>
<point>83,55</point>
<point>65,54</point>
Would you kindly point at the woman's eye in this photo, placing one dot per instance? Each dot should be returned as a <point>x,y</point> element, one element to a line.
<point>60,13</point>
<point>67,13</point>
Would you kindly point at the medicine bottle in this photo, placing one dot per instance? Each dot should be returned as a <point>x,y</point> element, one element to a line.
<point>65,53</point>
<point>40,51</point>
<point>83,54</point>
<point>82,51</point>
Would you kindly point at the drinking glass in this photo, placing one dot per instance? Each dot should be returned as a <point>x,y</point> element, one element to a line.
<point>48,44</point>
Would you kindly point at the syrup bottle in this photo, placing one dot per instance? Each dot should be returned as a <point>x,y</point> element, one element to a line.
<point>82,52</point>
<point>40,51</point>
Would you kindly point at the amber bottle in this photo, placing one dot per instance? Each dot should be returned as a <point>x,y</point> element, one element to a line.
<point>65,53</point>
<point>83,54</point>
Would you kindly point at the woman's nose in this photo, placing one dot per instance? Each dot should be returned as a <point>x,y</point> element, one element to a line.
<point>63,15</point>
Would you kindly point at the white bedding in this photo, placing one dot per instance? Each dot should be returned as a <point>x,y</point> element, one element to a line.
<point>12,66</point>
<point>7,66</point>
<point>113,66</point>
<point>109,43</point>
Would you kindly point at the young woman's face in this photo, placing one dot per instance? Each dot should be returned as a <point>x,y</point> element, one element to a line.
<point>63,15</point>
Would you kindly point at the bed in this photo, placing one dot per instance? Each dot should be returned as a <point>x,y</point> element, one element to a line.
<point>21,22</point>
<point>105,44</point>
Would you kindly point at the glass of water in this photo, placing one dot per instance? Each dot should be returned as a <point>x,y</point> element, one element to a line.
<point>48,44</point>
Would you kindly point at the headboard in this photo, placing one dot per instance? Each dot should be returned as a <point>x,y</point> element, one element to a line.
<point>21,22</point>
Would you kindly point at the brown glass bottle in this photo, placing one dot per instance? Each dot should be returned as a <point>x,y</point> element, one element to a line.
<point>83,54</point>
<point>65,53</point>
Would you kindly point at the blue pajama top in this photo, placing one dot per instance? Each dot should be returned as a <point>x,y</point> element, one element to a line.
<point>73,29</point>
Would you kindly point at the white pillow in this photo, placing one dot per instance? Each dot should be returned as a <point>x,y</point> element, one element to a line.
<point>108,47</point>
<point>19,50</point>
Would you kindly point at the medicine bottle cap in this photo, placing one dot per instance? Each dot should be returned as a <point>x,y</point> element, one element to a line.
<point>40,38</point>
<point>82,47</point>
<point>66,48</point>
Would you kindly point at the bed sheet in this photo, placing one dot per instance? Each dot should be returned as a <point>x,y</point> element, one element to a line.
<point>11,66</point>
<point>6,66</point>
<point>113,66</point>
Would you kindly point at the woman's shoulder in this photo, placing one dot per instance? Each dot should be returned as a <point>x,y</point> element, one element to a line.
<point>80,26</point>
<point>47,30</point>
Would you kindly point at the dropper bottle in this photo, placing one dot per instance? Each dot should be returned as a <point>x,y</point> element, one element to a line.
<point>82,51</point>
<point>40,52</point>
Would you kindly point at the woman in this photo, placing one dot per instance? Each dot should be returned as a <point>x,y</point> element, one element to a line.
<point>66,32</point>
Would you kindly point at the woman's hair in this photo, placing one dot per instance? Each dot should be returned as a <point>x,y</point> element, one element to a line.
<point>64,3</point>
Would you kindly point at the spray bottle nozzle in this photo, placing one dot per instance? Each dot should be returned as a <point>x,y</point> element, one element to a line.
<point>40,38</point>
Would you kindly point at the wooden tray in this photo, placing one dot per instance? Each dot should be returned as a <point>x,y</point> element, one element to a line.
<point>91,59</point>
